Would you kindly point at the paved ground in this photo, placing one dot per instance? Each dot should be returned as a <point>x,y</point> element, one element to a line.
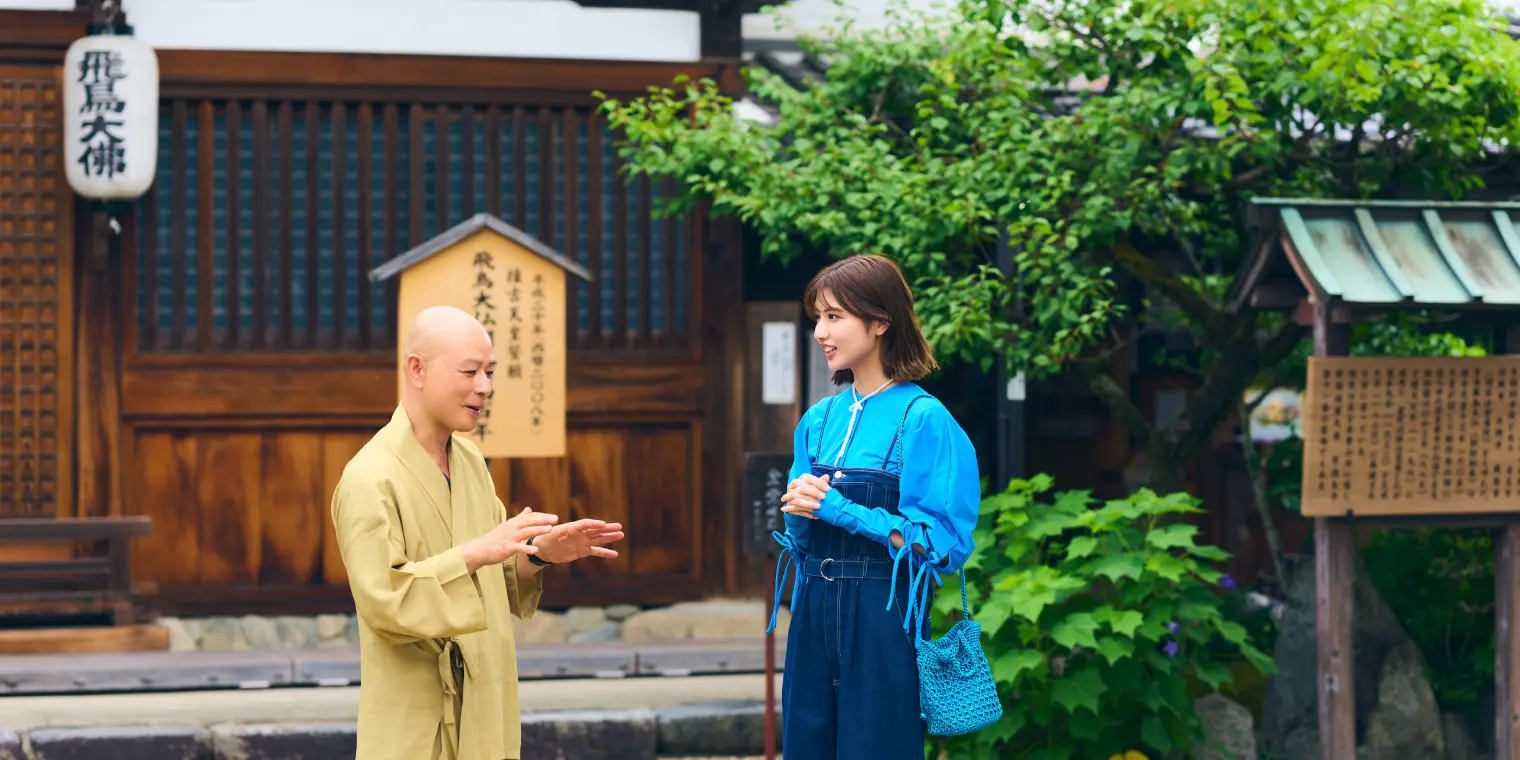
<point>341,703</point>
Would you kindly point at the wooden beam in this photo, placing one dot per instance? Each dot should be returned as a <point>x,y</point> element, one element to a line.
<point>31,530</point>
<point>39,36</point>
<point>1278,294</point>
<point>218,391</point>
<point>126,638</point>
<point>722,33</point>
<point>1506,644</point>
<point>1335,572</point>
<point>192,72</point>
<point>1506,610</point>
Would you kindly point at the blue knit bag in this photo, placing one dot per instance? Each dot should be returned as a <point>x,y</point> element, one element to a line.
<point>956,692</point>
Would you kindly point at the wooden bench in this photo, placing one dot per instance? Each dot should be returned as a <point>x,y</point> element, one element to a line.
<point>78,586</point>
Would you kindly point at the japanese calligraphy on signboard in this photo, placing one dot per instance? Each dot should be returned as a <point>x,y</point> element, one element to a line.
<point>110,113</point>
<point>765,478</point>
<point>1411,436</point>
<point>516,287</point>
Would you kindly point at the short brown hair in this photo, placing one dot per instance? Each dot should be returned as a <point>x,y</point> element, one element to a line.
<point>872,287</point>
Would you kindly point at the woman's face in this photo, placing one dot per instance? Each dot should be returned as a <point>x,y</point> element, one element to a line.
<point>846,340</point>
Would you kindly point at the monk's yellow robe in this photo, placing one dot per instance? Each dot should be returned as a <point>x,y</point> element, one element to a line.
<point>438,662</point>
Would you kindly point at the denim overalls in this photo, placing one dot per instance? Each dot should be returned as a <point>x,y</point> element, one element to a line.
<point>850,690</point>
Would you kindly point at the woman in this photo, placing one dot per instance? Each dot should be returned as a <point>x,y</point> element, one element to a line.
<point>884,488</point>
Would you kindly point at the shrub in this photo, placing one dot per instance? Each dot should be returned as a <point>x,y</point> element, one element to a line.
<point>1096,617</point>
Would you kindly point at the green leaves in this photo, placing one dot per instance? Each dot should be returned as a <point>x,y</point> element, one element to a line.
<point>1093,138</point>
<point>1096,618</point>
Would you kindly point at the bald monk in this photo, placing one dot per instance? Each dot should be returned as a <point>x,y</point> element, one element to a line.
<point>436,566</point>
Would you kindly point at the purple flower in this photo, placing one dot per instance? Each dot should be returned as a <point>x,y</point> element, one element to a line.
<point>1228,582</point>
<point>1172,626</point>
<point>1170,648</point>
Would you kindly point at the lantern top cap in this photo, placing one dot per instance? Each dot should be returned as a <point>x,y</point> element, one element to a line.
<point>452,236</point>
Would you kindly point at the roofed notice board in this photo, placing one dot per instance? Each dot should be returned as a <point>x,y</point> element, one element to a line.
<point>1411,436</point>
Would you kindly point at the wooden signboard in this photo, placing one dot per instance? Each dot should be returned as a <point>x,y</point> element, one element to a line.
<point>765,479</point>
<point>1411,436</point>
<point>517,287</point>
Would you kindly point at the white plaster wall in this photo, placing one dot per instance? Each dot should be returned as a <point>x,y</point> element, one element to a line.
<point>812,17</point>
<point>497,28</point>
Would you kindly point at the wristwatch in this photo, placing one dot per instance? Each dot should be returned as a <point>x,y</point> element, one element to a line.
<point>534,557</point>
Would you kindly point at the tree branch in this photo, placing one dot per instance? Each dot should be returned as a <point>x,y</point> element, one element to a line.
<point>1207,317</point>
<point>1095,372</point>
<point>1240,361</point>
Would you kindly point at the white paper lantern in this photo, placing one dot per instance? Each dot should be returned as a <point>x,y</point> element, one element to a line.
<point>110,114</point>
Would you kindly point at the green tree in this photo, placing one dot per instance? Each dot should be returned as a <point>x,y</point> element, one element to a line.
<point>1108,140</point>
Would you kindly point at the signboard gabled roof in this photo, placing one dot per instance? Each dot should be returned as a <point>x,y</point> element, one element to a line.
<point>1387,253</point>
<point>468,227</point>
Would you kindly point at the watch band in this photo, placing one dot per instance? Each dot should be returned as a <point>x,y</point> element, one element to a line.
<point>534,557</point>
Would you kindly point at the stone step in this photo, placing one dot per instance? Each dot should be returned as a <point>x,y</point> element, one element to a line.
<point>718,729</point>
<point>99,673</point>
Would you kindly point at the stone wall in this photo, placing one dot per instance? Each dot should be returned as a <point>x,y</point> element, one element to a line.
<point>713,619</point>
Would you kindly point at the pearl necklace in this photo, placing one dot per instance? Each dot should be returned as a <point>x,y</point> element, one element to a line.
<point>855,408</point>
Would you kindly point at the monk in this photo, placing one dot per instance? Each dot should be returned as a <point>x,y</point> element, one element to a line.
<point>436,566</point>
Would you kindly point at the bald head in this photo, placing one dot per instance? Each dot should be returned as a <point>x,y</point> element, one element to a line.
<point>449,365</point>
<point>439,328</point>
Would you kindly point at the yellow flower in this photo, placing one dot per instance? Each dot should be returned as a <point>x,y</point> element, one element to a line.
<point>1130,755</point>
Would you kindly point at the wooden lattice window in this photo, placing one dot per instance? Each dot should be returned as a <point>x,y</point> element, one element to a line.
<point>265,217</point>
<point>36,322</point>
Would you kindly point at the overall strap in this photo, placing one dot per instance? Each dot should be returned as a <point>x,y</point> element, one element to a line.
<point>895,450</point>
<point>824,427</point>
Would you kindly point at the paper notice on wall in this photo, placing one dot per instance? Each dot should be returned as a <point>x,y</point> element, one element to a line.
<point>779,370</point>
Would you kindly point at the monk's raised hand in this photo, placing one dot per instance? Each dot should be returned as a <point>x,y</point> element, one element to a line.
<point>508,538</point>
<point>578,540</point>
<point>804,495</point>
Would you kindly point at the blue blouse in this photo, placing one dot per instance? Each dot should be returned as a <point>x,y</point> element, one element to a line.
<point>939,487</point>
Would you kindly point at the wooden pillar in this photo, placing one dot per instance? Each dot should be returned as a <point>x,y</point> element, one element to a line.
<point>1506,630</point>
<point>1335,571</point>
<point>721,29</point>
<point>1506,643</point>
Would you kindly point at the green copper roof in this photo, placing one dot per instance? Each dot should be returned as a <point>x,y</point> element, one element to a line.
<point>1387,253</point>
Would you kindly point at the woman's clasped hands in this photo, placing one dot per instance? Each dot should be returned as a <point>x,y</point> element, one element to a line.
<point>804,494</point>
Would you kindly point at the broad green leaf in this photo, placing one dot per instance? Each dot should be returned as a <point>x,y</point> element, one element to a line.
<point>1124,623</point>
<point>1007,667</point>
<point>1172,536</point>
<point>1118,566</point>
<point>1115,649</point>
<point>1211,673</point>
<point>1081,546</point>
<point>1079,690</point>
<point>1154,734</point>
<point>1076,630</point>
<point>1166,566</point>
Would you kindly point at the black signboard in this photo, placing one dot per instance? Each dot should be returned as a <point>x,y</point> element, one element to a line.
<point>765,478</point>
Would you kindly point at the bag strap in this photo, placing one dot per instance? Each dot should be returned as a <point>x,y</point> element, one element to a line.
<point>894,450</point>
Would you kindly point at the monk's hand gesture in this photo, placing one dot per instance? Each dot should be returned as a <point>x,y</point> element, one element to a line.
<point>509,538</point>
<point>578,540</point>
<point>804,494</point>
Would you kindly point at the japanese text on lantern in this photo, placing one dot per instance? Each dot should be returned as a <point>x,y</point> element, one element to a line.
<point>1411,436</point>
<point>104,153</point>
<point>536,374</point>
<point>485,313</point>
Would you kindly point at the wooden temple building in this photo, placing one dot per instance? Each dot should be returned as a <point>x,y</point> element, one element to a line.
<point>213,366</point>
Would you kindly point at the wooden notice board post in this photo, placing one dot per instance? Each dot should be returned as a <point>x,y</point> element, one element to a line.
<point>1393,442</point>
<point>517,287</point>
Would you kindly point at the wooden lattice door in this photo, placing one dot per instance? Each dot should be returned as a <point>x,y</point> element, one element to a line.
<point>36,298</point>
